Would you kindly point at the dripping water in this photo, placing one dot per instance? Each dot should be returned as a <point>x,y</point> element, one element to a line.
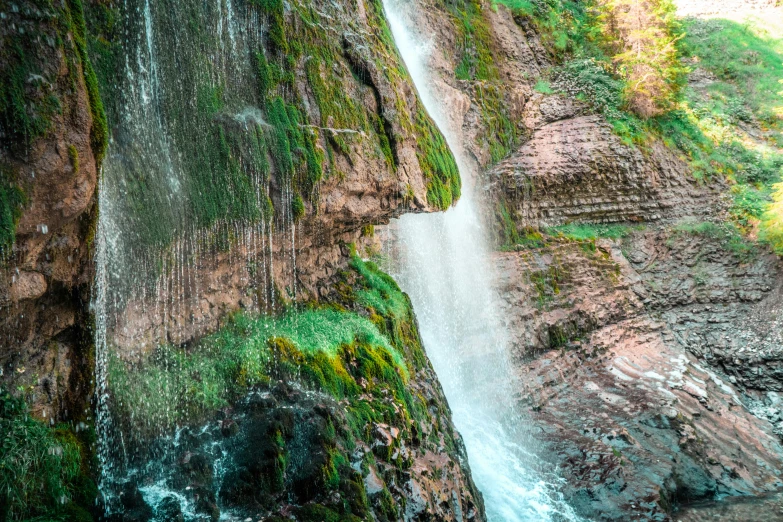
<point>155,268</point>
<point>442,262</point>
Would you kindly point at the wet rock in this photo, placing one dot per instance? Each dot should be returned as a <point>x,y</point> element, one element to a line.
<point>135,508</point>
<point>169,510</point>
<point>668,426</point>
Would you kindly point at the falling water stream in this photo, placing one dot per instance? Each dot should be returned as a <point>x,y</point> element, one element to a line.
<point>442,261</point>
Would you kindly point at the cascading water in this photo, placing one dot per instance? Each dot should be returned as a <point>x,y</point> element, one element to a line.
<point>182,180</point>
<point>442,262</point>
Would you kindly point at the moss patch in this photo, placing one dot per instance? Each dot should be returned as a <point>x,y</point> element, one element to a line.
<point>330,347</point>
<point>43,471</point>
<point>12,199</point>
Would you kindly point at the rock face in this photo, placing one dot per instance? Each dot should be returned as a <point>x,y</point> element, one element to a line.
<point>44,279</point>
<point>363,433</point>
<point>249,149</point>
<point>667,427</point>
<point>371,170</point>
<point>574,168</point>
<point>279,452</point>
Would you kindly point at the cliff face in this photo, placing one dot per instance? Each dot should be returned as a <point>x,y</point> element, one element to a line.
<point>645,344</point>
<point>649,358</point>
<point>51,126</point>
<point>645,328</point>
<point>278,162</point>
<point>249,145</point>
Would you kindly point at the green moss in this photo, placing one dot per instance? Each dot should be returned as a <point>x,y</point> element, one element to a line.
<point>12,200</point>
<point>437,164</point>
<point>357,356</point>
<point>591,232</point>
<point>544,87</point>
<point>43,472</point>
<point>499,131</point>
<point>336,108</point>
<point>275,12</point>
<point>24,115</point>
<point>548,283</point>
<point>73,157</point>
<point>475,41</point>
<point>99,132</point>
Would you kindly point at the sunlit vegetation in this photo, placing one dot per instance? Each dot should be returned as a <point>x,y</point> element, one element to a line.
<point>727,234</point>
<point>328,347</point>
<point>590,232</point>
<point>629,60</point>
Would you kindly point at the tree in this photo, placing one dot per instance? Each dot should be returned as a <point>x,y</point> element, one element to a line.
<point>641,36</point>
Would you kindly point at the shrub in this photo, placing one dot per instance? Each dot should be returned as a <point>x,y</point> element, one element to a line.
<point>40,467</point>
<point>642,37</point>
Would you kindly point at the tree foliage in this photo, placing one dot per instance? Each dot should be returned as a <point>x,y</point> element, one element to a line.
<point>641,36</point>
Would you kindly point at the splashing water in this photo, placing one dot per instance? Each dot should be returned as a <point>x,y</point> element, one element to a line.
<point>442,262</point>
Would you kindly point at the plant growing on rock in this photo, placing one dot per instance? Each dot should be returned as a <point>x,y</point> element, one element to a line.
<point>641,36</point>
<point>42,469</point>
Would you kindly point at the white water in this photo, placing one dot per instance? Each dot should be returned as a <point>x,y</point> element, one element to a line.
<point>442,262</point>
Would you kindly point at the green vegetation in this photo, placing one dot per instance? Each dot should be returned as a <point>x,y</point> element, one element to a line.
<point>284,119</point>
<point>360,349</point>
<point>475,37</point>
<point>437,164</point>
<point>707,125</point>
<point>727,233</point>
<point>566,27</point>
<point>329,347</point>
<point>24,115</point>
<point>747,60</point>
<point>475,64</point>
<point>547,283</point>
<point>73,157</point>
<point>43,473</point>
<point>245,353</point>
<point>99,133</point>
<point>12,199</point>
<point>31,89</point>
<point>591,232</point>
<point>543,87</point>
<point>748,64</point>
<point>772,223</point>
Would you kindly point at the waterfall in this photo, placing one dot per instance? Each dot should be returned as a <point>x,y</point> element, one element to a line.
<point>442,261</point>
<point>181,180</point>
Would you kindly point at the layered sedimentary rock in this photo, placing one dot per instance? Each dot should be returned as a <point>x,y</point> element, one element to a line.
<point>594,331</point>
<point>574,168</point>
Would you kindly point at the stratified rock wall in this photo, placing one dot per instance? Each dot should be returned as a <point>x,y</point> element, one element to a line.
<point>595,331</point>
<point>574,168</point>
